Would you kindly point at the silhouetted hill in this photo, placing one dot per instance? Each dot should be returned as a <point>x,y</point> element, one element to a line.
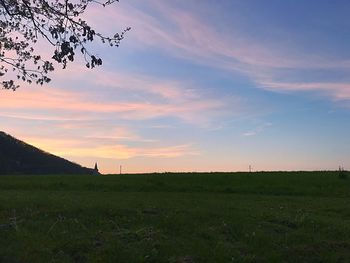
<point>17,157</point>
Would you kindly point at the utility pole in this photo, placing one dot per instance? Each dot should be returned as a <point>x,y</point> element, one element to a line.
<point>250,168</point>
<point>120,169</point>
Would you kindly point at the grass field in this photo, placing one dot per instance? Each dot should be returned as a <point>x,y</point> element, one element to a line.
<point>238,217</point>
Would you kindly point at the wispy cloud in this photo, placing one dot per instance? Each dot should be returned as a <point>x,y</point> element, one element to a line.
<point>336,90</point>
<point>92,148</point>
<point>113,114</point>
<point>86,123</point>
<point>185,34</point>
<point>76,104</point>
<point>258,129</point>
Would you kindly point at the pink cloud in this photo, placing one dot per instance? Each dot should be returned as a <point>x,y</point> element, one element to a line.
<point>152,98</point>
<point>338,91</point>
<point>74,148</point>
<point>183,34</point>
<point>167,89</point>
<point>69,101</point>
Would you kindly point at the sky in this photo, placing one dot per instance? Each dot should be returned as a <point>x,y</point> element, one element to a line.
<point>199,85</point>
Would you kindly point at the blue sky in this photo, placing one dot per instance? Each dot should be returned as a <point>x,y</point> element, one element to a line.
<point>200,86</point>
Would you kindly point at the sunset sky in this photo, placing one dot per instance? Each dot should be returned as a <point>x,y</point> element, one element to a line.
<point>199,85</point>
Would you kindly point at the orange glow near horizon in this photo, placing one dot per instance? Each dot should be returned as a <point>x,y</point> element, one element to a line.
<point>197,87</point>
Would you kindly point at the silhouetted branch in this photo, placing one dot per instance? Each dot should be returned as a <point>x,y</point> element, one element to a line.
<point>59,23</point>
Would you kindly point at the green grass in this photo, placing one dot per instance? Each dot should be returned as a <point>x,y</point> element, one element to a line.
<point>239,217</point>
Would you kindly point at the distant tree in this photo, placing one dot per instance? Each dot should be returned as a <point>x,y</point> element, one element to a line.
<point>59,22</point>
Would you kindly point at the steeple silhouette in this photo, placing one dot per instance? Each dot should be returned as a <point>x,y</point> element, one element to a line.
<point>96,172</point>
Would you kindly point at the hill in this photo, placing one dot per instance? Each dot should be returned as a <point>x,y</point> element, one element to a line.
<point>18,157</point>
